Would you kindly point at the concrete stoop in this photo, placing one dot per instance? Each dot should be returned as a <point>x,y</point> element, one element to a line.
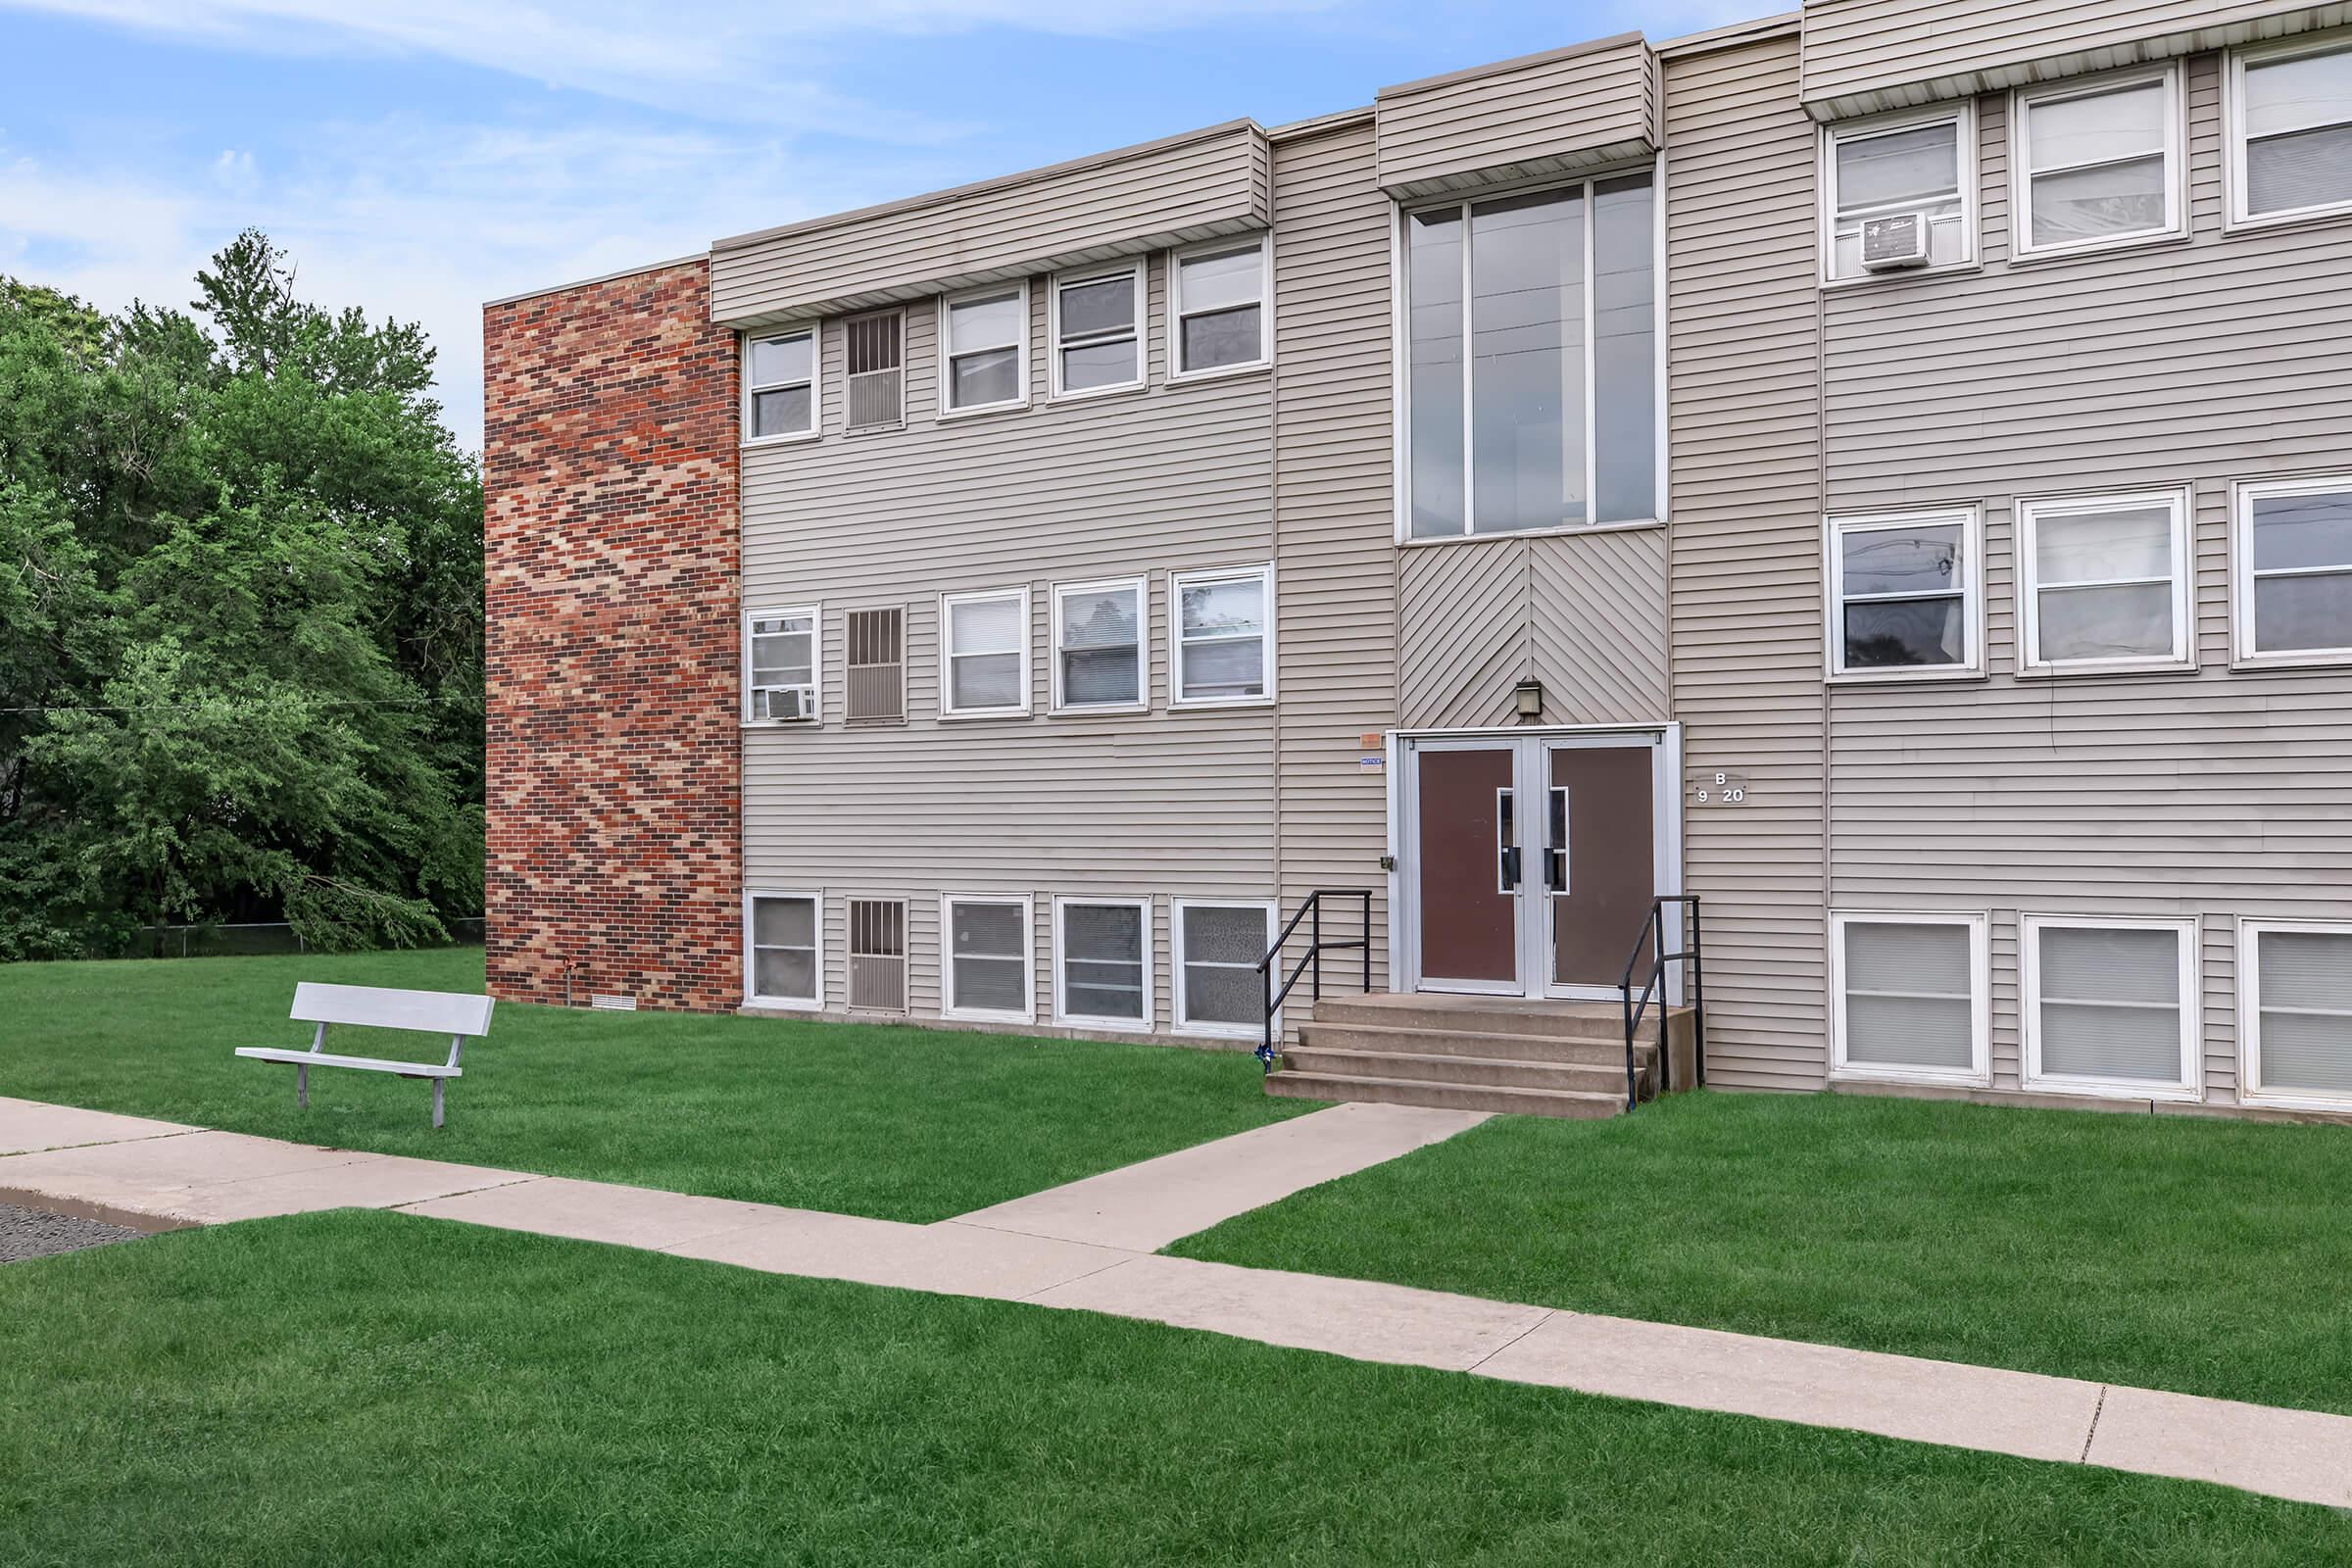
<point>1510,1054</point>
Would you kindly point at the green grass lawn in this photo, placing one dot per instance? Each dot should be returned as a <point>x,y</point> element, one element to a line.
<point>891,1123</point>
<point>2204,1256</point>
<point>360,1388</point>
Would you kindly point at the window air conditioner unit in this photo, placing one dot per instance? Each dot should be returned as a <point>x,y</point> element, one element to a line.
<point>1892,244</point>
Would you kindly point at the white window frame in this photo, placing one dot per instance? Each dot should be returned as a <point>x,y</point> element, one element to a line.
<point>1135,271</point>
<point>1027,1012</point>
<point>2021,151</point>
<point>1176,311</point>
<point>2250,1089</point>
<point>1835,526</point>
<point>2233,93</point>
<point>2030,510</point>
<point>1177,583</point>
<point>2244,493</point>
<point>815,333</point>
<point>751,992</point>
<point>816,665</point>
<point>947,657</point>
<point>2190,1085</point>
<point>1061,1006</point>
<point>1142,589</point>
<point>1963,114</point>
<point>1978,1073</point>
<point>1184,1024</point>
<point>948,353</point>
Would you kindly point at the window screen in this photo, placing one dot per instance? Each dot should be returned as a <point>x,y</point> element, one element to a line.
<point>988,955</point>
<point>2105,578</point>
<point>780,376</point>
<point>2304,1023</point>
<point>2297,561</point>
<point>985,333</point>
<point>1221,637</point>
<point>1103,961</point>
<point>985,641</point>
<point>1909,996</point>
<point>2109,1003</point>
<point>784,949</point>
<point>2297,110</point>
<point>1101,657</point>
<point>1220,307</point>
<point>1222,947</point>
<point>1096,320</point>
<point>2097,163</point>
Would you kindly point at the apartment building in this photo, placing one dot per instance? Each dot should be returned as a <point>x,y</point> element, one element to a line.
<point>1883,470</point>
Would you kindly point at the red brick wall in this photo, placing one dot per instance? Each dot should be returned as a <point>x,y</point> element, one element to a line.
<point>609,481</point>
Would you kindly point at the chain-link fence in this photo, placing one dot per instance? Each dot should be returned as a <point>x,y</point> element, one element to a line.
<point>255,937</point>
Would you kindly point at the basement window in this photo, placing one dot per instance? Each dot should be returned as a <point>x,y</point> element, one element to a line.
<point>1218,948</point>
<point>1907,995</point>
<point>1103,973</point>
<point>784,943</point>
<point>988,957</point>
<point>2296,1014</point>
<point>2109,1005</point>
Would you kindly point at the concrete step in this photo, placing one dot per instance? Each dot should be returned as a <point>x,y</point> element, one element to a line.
<point>1289,1085</point>
<point>1502,1015</point>
<point>1502,1072</point>
<point>1569,1049</point>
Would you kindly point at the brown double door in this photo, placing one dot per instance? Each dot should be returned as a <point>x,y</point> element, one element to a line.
<point>1531,860</point>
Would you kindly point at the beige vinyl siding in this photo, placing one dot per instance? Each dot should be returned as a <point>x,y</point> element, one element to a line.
<point>2215,794</point>
<point>1334,504</point>
<point>1549,114</point>
<point>1185,188</point>
<point>1583,614</point>
<point>1742,300</point>
<point>1161,804</point>
<point>1865,55</point>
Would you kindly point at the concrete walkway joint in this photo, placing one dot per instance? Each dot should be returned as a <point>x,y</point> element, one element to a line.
<point>1065,1259</point>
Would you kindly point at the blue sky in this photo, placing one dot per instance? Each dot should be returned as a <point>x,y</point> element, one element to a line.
<point>420,158</point>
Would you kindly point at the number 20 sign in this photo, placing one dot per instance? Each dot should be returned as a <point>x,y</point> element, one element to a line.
<point>1720,789</point>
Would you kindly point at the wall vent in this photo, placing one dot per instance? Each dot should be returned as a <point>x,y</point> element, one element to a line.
<point>876,375</point>
<point>612,1003</point>
<point>877,664</point>
<point>878,954</point>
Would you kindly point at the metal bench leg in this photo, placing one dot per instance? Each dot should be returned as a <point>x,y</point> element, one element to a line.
<point>437,1086</point>
<point>302,1087</point>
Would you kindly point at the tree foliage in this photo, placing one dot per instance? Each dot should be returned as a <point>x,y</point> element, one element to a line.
<point>240,620</point>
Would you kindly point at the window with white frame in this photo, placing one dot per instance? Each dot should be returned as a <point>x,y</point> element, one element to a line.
<point>1218,948</point>
<point>2294,571</point>
<point>984,652</point>
<point>2290,131</point>
<point>986,956</point>
<point>1102,956</point>
<point>1904,590</point>
<point>1908,996</point>
<point>2294,984</point>
<point>1221,636</point>
<point>984,353</point>
<point>1552,419</point>
<point>1098,645</point>
<point>2104,581</point>
<point>2098,163</point>
<point>779,386</point>
<point>1897,191</point>
<point>780,666</point>
<point>1097,331</point>
<point>2110,1006</point>
<point>784,946</point>
<point>1218,308</point>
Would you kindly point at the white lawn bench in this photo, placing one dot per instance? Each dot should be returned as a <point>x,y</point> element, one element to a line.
<point>438,1012</point>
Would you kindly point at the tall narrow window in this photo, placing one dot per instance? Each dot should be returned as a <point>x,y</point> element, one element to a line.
<point>878,954</point>
<point>779,380</point>
<point>1098,645</point>
<point>2104,581</point>
<point>2100,164</point>
<point>1908,997</point>
<point>2294,571</point>
<point>986,941</point>
<point>984,359</point>
<point>785,948</point>
<point>1097,331</point>
<point>1551,419</point>
<point>1896,193</point>
<point>1218,948</point>
<point>2290,133</point>
<point>2295,1013</point>
<point>1102,950</point>
<point>1222,636</point>
<point>779,666</point>
<point>876,375</point>
<point>2110,1006</point>
<point>1903,593</point>
<point>1218,308</point>
<point>984,654</point>
<point>874,672</point>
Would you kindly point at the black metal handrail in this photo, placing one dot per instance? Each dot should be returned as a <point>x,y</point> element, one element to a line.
<point>1312,960</point>
<point>1654,926</point>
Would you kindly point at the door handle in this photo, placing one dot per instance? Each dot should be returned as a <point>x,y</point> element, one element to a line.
<point>1555,870</point>
<point>1511,867</point>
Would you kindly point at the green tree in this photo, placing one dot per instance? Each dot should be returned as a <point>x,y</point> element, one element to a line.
<point>240,620</point>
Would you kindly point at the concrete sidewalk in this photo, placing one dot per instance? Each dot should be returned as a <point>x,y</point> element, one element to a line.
<point>154,1168</point>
